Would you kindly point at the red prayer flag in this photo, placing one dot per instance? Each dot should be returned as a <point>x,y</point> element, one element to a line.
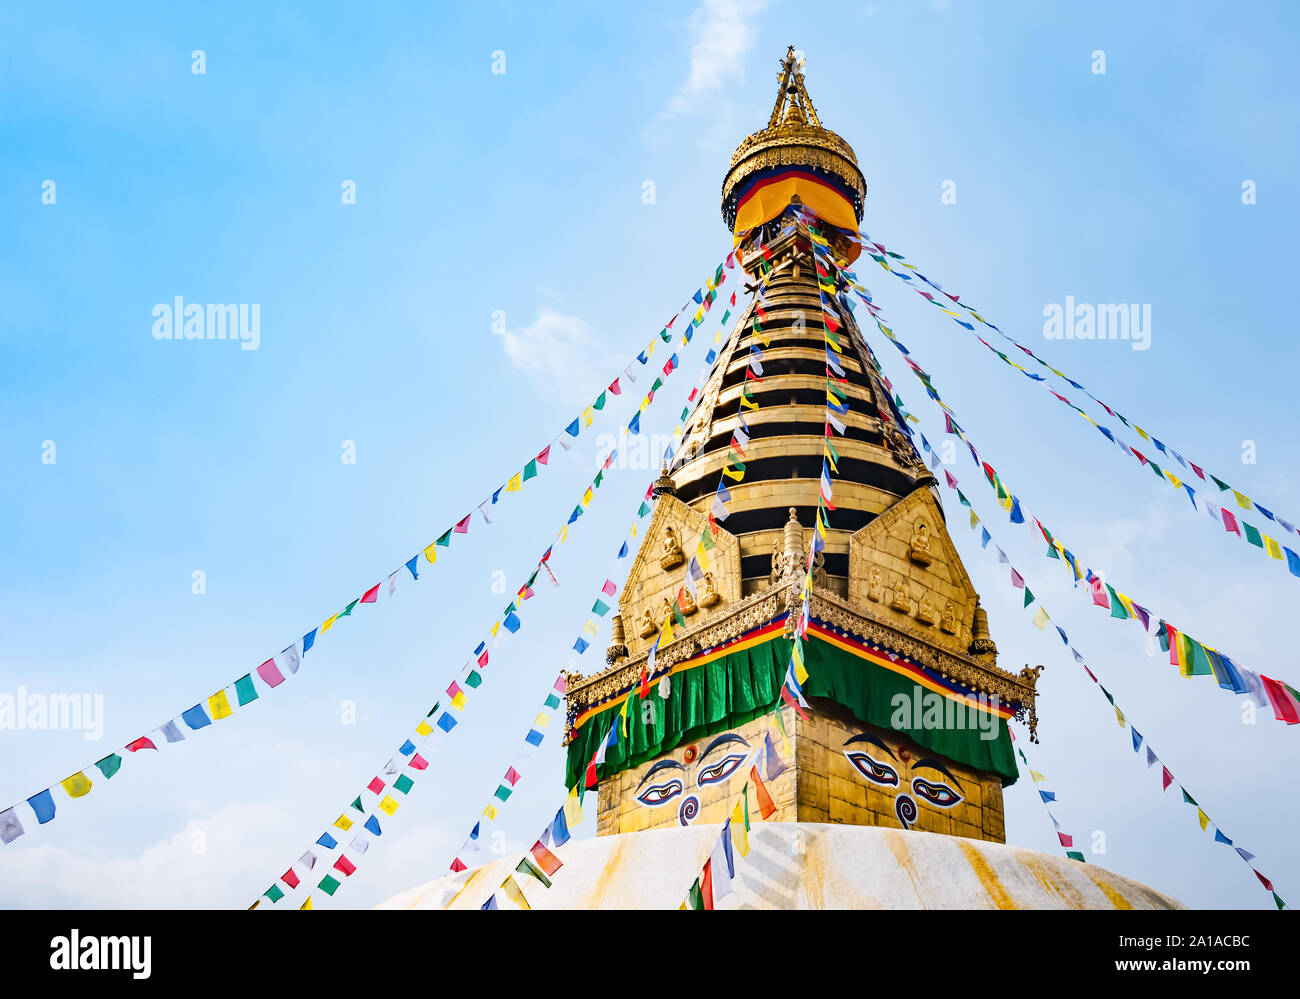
<point>615,388</point>
<point>290,878</point>
<point>418,762</point>
<point>1197,471</point>
<point>609,589</point>
<point>458,865</point>
<point>765,805</point>
<point>512,776</point>
<point>344,865</point>
<point>706,884</point>
<point>544,455</point>
<point>1263,880</point>
<point>463,526</point>
<point>375,786</point>
<point>1168,778</point>
<point>371,595</point>
<point>140,743</point>
<point>1284,705</point>
<point>1099,595</point>
<point>1230,523</point>
<point>1066,839</point>
<point>545,859</point>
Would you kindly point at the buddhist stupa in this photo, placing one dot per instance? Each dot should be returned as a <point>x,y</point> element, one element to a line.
<point>887,791</point>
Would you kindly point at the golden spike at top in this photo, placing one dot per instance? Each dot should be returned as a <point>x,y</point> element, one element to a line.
<point>792,96</point>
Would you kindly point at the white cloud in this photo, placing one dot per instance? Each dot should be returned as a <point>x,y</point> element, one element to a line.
<point>723,32</point>
<point>562,352</point>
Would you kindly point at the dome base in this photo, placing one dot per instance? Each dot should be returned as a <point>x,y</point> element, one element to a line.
<point>799,865</point>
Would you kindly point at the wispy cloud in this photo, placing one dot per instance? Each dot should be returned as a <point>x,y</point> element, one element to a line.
<point>724,32</point>
<point>562,352</point>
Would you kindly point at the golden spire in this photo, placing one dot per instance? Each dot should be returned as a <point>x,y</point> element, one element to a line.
<point>792,96</point>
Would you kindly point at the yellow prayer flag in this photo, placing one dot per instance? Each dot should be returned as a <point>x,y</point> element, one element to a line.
<point>1142,432</point>
<point>650,351</point>
<point>306,905</point>
<point>586,497</point>
<point>514,893</point>
<point>423,729</point>
<point>1041,619</point>
<point>343,822</point>
<point>431,553</point>
<point>1119,716</point>
<point>1038,778</point>
<point>542,719</point>
<point>739,837</point>
<point>588,415</point>
<point>1174,480</point>
<point>458,702</point>
<point>572,809</point>
<point>388,805</point>
<point>494,629</point>
<point>219,705</point>
<point>1243,501</point>
<point>490,812</point>
<point>329,623</point>
<point>666,632</point>
<point>1271,547</point>
<point>516,483</point>
<point>973,519</point>
<point>1205,819</point>
<point>77,785</point>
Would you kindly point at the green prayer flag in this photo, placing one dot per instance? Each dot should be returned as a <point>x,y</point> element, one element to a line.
<point>1029,596</point>
<point>600,402</point>
<point>356,803</point>
<point>962,497</point>
<point>445,540</point>
<point>348,610</point>
<point>1108,694</point>
<point>706,541</point>
<point>473,678</point>
<point>695,900</point>
<point>433,710</point>
<point>1116,605</point>
<point>527,866</point>
<point>530,470</point>
<point>678,616</point>
<point>110,764</point>
<point>667,337</point>
<point>553,701</point>
<point>600,607</point>
<point>1220,483</point>
<point>328,885</point>
<point>403,784</point>
<point>644,509</point>
<point>274,893</point>
<point>502,793</point>
<point>1252,535</point>
<point>1076,855</point>
<point>1187,797</point>
<point>1051,552</point>
<point>658,384</point>
<point>245,690</point>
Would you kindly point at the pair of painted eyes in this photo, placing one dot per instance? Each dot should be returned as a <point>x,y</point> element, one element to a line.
<point>940,795</point>
<point>658,794</point>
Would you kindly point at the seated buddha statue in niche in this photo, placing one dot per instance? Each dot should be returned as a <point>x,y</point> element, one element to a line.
<point>708,591</point>
<point>949,620</point>
<point>672,550</point>
<point>687,602</point>
<point>648,626</point>
<point>919,546</point>
<point>902,596</point>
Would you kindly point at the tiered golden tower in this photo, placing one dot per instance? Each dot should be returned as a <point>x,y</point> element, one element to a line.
<point>908,726</point>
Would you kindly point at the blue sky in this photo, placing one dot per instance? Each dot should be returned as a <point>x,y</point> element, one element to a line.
<point>522,192</point>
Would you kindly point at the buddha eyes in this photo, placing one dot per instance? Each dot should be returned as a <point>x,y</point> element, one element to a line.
<point>721,770</point>
<point>658,794</point>
<point>940,795</point>
<point>874,771</point>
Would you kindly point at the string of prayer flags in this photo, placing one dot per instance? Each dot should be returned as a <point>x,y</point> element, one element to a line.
<point>1048,797</point>
<point>512,775</point>
<point>539,863</point>
<point>1192,657</point>
<point>471,678</point>
<point>1243,502</point>
<point>1167,777</point>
